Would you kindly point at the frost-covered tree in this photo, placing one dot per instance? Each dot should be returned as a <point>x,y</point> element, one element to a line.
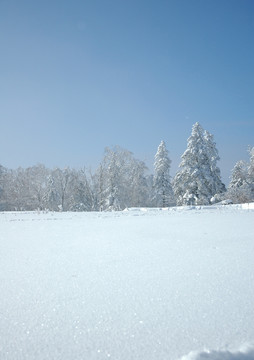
<point>59,189</point>
<point>64,181</point>
<point>216,185</point>
<point>120,180</point>
<point>163,192</point>
<point>37,177</point>
<point>198,179</point>
<point>137,189</point>
<point>150,201</point>
<point>241,187</point>
<point>113,184</point>
<point>3,183</point>
<point>18,190</point>
<point>239,174</point>
<point>98,186</point>
<point>82,197</point>
<point>51,196</point>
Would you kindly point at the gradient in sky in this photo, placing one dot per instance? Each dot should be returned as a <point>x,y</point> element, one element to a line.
<point>78,75</point>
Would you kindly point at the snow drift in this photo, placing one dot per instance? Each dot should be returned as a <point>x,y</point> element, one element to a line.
<point>246,352</point>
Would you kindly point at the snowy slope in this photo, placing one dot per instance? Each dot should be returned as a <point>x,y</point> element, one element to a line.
<point>138,284</point>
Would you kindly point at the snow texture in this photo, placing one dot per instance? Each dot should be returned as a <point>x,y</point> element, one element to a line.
<point>244,353</point>
<point>149,284</point>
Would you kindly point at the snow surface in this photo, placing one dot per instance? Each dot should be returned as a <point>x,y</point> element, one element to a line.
<point>139,284</point>
<point>244,353</point>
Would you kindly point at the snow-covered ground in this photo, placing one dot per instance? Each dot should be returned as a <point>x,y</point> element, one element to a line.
<point>132,285</point>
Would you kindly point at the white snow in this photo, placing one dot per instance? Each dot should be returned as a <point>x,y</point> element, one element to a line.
<point>139,284</point>
<point>246,352</point>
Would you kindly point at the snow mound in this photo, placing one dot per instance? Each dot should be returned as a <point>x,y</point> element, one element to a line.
<point>246,352</point>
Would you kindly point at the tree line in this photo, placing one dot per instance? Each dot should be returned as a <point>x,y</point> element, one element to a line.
<point>122,181</point>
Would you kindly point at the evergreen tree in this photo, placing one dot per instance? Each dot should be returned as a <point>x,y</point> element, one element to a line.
<point>238,189</point>
<point>241,187</point>
<point>199,178</point>
<point>215,184</point>
<point>163,192</point>
<point>239,175</point>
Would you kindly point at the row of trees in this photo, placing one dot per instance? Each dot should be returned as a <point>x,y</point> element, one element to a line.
<point>119,182</point>
<point>122,181</point>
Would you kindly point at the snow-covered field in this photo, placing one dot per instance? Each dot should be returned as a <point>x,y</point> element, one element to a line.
<point>131,285</point>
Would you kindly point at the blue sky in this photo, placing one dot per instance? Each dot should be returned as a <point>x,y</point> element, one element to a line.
<point>77,76</point>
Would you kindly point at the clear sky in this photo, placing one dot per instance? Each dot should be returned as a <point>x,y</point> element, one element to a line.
<point>80,75</point>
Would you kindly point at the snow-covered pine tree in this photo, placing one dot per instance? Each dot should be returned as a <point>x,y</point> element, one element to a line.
<point>199,178</point>
<point>239,175</point>
<point>163,192</point>
<point>216,185</point>
<point>241,187</point>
